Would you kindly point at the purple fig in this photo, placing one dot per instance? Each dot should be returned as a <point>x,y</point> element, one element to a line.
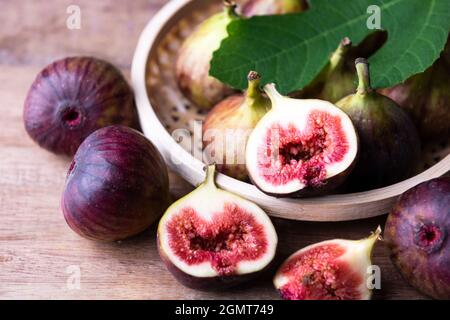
<point>73,97</point>
<point>390,144</point>
<point>417,233</point>
<point>117,185</point>
<point>228,125</point>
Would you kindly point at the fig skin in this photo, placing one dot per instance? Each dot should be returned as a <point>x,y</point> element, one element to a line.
<point>73,97</point>
<point>426,98</point>
<point>193,62</point>
<point>238,114</point>
<point>208,191</point>
<point>417,234</point>
<point>116,187</point>
<point>270,7</point>
<point>389,142</point>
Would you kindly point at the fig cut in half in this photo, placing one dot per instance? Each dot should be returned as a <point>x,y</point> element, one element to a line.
<point>329,270</point>
<point>301,147</point>
<point>212,239</point>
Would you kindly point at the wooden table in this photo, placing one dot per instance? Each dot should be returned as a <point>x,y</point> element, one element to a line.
<point>37,249</point>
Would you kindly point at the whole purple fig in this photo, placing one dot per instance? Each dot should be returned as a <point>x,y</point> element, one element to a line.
<point>117,185</point>
<point>426,97</point>
<point>269,7</point>
<point>390,145</point>
<point>73,97</point>
<point>417,233</point>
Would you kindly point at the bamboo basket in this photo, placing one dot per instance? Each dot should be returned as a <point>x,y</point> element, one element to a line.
<point>163,110</point>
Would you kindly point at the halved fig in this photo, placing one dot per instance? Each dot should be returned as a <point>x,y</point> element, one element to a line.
<point>212,239</point>
<point>329,270</point>
<point>301,147</point>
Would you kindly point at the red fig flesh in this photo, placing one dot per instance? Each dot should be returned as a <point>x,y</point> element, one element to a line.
<point>329,270</point>
<point>300,147</point>
<point>417,234</point>
<point>212,239</point>
<point>73,97</point>
<point>117,185</point>
<point>228,125</point>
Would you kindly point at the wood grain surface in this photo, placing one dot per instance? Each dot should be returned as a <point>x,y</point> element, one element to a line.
<point>37,249</point>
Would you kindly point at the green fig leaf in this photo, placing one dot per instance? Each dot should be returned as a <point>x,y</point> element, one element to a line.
<point>291,50</point>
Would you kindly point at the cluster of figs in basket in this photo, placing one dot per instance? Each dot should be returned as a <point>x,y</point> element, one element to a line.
<point>331,136</point>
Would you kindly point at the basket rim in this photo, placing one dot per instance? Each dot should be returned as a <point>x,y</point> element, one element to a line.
<point>192,169</point>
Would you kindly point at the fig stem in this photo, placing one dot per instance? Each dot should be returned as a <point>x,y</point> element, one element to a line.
<point>254,98</point>
<point>210,176</point>
<point>362,68</point>
<point>273,94</point>
<point>337,58</point>
<point>254,81</point>
<point>230,8</point>
<point>368,243</point>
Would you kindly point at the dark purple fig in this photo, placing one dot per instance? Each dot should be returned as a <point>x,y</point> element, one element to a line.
<point>228,125</point>
<point>269,7</point>
<point>73,97</point>
<point>117,185</point>
<point>390,144</point>
<point>426,98</point>
<point>417,233</point>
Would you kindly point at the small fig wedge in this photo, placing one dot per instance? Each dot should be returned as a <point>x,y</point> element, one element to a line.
<point>390,144</point>
<point>228,126</point>
<point>300,147</point>
<point>329,270</point>
<point>417,234</point>
<point>212,239</point>
<point>193,63</point>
